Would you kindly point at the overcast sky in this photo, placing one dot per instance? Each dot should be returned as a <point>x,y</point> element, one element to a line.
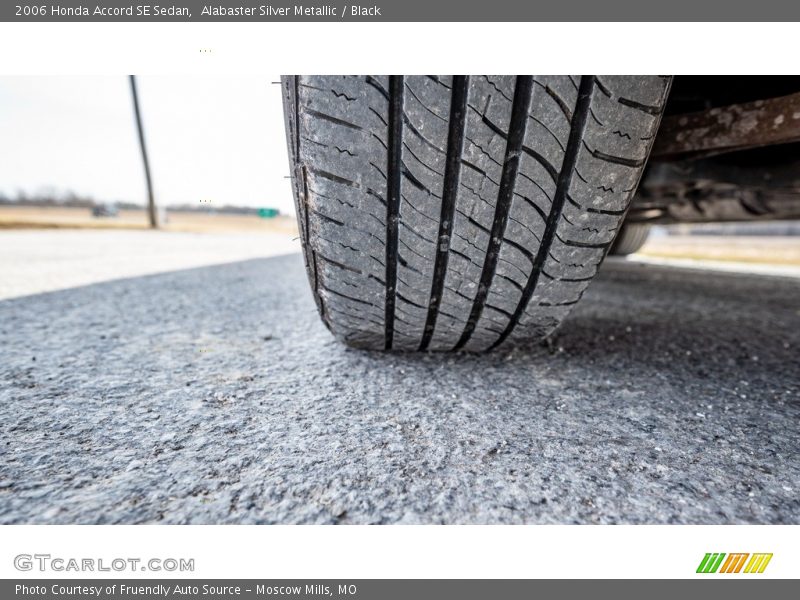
<point>217,138</point>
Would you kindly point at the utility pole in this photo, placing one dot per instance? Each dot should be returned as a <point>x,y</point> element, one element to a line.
<point>151,202</point>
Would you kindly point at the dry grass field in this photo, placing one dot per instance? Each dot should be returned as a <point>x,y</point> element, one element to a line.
<point>29,217</point>
<point>774,250</point>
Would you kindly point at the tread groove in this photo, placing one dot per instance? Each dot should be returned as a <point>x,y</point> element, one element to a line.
<point>551,170</point>
<point>519,116</point>
<point>452,174</point>
<point>558,100</point>
<point>331,119</point>
<point>617,160</point>
<point>564,178</point>
<point>646,108</point>
<point>394,173</point>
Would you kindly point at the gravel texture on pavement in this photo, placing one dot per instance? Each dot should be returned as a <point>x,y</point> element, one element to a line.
<point>216,395</point>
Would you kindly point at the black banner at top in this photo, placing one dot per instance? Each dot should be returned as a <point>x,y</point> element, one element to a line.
<point>395,10</point>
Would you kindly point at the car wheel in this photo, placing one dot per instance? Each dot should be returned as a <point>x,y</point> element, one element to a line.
<point>630,239</point>
<point>461,212</point>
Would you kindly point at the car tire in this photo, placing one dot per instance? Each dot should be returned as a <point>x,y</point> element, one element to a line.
<point>630,239</point>
<point>461,212</point>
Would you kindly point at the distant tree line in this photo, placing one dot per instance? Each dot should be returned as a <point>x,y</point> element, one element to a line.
<point>73,200</point>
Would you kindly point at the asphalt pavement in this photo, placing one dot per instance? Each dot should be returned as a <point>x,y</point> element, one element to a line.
<point>215,395</point>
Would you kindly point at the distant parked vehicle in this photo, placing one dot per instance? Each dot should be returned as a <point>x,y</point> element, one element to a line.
<point>105,210</point>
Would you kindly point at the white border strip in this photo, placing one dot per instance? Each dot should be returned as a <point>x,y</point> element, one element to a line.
<point>335,48</point>
<point>371,552</point>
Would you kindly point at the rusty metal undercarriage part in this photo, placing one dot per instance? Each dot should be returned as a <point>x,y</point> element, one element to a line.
<point>709,166</point>
<point>728,129</point>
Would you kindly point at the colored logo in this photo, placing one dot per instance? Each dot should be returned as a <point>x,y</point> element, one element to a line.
<point>719,562</point>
